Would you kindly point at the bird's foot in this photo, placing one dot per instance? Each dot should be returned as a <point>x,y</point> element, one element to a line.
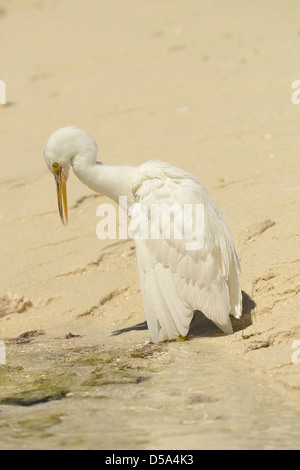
<point>183,338</point>
<point>179,339</point>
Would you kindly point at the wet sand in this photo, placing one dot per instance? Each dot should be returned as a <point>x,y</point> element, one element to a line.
<point>169,396</point>
<point>207,86</point>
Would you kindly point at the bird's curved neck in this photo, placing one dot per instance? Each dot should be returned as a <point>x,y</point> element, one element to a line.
<point>111,180</point>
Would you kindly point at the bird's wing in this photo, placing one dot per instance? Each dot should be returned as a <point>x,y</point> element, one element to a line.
<point>163,307</point>
<point>175,281</point>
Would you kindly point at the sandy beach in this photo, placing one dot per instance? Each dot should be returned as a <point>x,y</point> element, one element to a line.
<point>206,85</point>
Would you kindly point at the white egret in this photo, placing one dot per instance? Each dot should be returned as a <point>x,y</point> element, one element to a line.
<point>174,281</point>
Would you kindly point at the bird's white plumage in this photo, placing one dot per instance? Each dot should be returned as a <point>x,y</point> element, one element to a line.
<point>185,280</point>
<point>174,281</point>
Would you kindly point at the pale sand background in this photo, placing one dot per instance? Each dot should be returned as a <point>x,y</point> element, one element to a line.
<point>203,84</point>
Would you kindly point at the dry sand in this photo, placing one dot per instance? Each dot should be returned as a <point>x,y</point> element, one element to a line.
<point>206,85</point>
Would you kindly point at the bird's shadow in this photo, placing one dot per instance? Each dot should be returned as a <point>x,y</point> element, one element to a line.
<point>202,326</point>
<point>137,327</point>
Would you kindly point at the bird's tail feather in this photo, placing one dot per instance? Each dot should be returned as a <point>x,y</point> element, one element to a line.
<point>227,329</point>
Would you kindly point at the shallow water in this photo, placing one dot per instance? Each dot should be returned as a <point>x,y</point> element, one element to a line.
<point>170,396</point>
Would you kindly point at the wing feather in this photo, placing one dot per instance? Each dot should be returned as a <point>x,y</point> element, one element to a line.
<point>163,307</point>
<point>175,281</point>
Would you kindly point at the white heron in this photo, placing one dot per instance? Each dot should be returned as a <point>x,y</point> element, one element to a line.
<point>174,281</point>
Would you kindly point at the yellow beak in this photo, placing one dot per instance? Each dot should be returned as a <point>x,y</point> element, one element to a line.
<point>61,189</point>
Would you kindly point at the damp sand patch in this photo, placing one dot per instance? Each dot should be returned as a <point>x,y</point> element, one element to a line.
<point>42,374</point>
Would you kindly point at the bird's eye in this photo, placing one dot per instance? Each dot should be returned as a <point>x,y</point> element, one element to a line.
<point>54,165</point>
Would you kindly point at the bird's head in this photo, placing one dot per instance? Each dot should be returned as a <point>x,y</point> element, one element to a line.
<point>62,146</point>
